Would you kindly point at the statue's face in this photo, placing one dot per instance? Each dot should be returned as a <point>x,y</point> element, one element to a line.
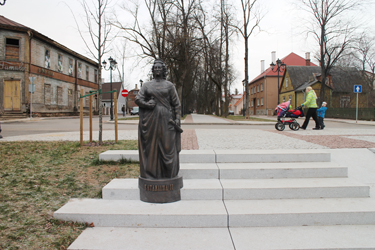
<point>158,69</point>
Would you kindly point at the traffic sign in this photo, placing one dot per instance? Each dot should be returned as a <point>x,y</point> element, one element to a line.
<point>124,93</point>
<point>357,88</point>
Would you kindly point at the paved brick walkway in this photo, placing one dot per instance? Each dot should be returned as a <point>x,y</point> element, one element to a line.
<point>189,139</point>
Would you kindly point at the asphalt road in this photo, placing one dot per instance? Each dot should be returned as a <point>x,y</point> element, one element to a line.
<point>72,124</point>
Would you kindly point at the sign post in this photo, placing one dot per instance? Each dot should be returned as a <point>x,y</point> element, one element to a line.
<point>357,89</point>
<point>31,90</point>
<point>125,93</point>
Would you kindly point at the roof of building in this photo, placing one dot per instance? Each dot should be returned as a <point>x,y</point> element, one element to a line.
<point>238,102</point>
<point>291,59</point>
<point>343,79</point>
<point>6,21</point>
<point>8,24</point>
<point>107,87</point>
<point>299,75</point>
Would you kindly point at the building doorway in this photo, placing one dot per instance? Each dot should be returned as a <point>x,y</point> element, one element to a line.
<point>12,95</point>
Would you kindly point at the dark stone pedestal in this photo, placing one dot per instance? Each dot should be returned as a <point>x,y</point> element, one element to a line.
<point>160,191</point>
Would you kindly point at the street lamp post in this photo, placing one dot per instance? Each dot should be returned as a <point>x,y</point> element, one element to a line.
<point>112,66</point>
<point>280,68</point>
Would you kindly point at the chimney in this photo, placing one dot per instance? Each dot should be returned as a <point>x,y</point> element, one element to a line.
<point>273,53</point>
<point>136,86</point>
<point>307,57</point>
<point>261,66</point>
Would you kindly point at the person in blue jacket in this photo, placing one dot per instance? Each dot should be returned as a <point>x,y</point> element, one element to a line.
<point>321,114</point>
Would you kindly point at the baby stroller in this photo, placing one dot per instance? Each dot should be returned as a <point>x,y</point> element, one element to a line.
<point>283,112</point>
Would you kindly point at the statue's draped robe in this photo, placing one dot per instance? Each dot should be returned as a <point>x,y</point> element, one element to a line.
<point>159,143</point>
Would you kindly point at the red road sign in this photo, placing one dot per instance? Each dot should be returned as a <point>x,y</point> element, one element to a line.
<point>124,93</point>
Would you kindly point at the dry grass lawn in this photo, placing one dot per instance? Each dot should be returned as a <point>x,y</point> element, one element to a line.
<point>37,178</point>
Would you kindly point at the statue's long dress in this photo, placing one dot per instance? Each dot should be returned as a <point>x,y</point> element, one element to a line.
<point>159,143</point>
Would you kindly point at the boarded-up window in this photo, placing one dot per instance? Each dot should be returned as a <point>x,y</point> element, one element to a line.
<point>87,73</point>
<point>70,70</point>
<point>47,59</point>
<point>47,94</point>
<point>79,70</point>
<point>70,98</point>
<point>12,50</point>
<point>60,63</point>
<point>59,96</point>
<point>87,100</point>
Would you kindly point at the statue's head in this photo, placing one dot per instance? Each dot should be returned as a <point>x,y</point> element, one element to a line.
<point>159,69</point>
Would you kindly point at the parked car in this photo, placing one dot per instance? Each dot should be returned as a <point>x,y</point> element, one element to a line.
<point>134,111</point>
<point>230,112</point>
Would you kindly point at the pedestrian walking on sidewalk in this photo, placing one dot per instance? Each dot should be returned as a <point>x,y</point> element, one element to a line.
<point>123,110</point>
<point>310,103</point>
<point>321,114</point>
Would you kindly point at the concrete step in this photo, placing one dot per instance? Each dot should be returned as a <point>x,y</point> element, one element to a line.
<point>135,213</point>
<point>303,212</point>
<point>261,170</point>
<point>266,238</point>
<point>109,238</point>
<point>263,189</point>
<point>240,189</point>
<point>312,238</point>
<point>225,156</point>
<point>208,214</point>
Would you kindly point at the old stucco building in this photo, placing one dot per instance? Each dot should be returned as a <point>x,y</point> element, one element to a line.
<point>59,72</point>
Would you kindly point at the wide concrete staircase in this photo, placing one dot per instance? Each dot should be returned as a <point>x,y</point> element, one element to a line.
<point>289,199</point>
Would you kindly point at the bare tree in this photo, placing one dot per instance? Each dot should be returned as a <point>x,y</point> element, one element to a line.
<point>251,18</point>
<point>99,30</point>
<point>365,55</point>
<point>330,30</point>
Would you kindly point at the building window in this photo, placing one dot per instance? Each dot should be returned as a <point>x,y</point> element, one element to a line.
<point>87,73</point>
<point>59,96</point>
<point>47,94</point>
<point>283,98</point>
<point>96,76</point>
<point>70,97</point>
<point>258,89</point>
<point>79,70</point>
<point>290,97</point>
<point>251,90</point>
<point>258,102</point>
<point>345,102</point>
<point>47,59</point>
<point>70,70</point>
<point>286,82</point>
<point>252,103</point>
<point>60,63</point>
<point>261,87</point>
<point>12,49</point>
<point>261,101</point>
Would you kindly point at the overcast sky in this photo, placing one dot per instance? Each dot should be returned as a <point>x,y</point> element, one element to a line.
<point>282,31</point>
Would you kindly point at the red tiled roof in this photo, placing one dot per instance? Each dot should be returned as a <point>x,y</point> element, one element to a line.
<point>6,21</point>
<point>236,104</point>
<point>291,60</point>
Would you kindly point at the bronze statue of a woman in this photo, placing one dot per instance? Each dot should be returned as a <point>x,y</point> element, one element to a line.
<point>159,138</point>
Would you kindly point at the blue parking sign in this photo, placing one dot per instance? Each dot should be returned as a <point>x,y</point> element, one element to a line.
<point>357,88</point>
